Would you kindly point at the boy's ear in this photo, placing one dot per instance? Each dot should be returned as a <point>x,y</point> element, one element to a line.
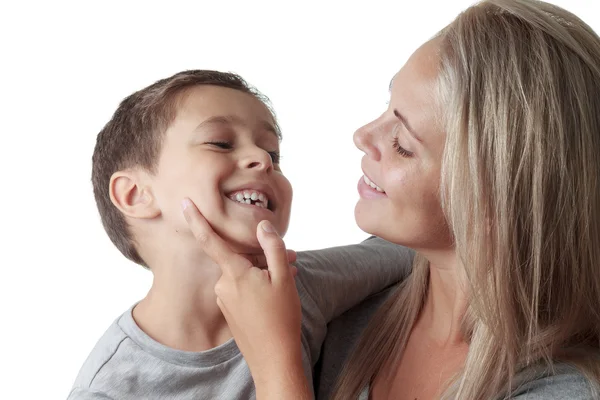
<point>132,196</point>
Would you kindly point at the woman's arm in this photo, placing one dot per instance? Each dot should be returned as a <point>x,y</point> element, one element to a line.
<point>563,382</point>
<point>286,382</point>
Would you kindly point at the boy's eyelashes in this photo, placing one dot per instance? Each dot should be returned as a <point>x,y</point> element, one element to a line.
<point>221,145</point>
<point>275,156</point>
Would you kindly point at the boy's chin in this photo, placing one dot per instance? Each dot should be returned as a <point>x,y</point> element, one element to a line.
<point>242,238</point>
<point>246,247</point>
<point>243,243</point>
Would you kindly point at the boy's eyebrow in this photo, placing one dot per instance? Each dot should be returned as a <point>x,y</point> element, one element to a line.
<point>234,120</point>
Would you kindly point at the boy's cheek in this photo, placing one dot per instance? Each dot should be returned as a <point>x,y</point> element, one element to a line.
<point>285,207</point>
<point>175,213</point>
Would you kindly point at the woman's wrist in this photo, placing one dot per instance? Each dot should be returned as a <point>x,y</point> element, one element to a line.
<point>286,380</point>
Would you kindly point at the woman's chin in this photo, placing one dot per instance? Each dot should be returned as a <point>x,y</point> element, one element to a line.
<point>365,221</point>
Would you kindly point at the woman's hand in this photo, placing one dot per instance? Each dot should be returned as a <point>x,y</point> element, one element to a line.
<point>262,308</point>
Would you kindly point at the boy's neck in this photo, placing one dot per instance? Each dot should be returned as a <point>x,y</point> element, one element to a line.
<point>180,310</point>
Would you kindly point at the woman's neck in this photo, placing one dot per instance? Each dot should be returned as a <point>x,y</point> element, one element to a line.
<point>446,301</point>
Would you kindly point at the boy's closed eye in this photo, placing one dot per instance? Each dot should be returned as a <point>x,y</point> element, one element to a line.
<point>221,144</point>
<point>275,156</point>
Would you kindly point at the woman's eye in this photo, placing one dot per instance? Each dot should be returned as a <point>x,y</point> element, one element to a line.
<point>275,156</point>
<point>401,150</point>
<point>221,145</point>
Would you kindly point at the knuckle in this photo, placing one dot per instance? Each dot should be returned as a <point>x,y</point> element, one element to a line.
<point>278,242</point>
<point>202,237</point>
<point>220,304</point>
<point>279,246</point>
<point>237,279</point>
<point>220,288</point>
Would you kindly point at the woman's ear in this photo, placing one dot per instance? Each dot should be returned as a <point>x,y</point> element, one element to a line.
<point>132,195</point>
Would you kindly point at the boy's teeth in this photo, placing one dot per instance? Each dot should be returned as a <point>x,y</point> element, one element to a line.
<point>374,186</point>
<point>248,197</point>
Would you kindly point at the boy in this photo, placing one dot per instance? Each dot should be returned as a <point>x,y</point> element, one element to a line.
<point>211,137</point>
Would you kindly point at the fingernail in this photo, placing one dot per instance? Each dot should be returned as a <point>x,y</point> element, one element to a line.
<point>268,227</point>
<point>185,203</point>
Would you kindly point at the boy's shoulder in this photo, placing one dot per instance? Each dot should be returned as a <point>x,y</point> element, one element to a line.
<point>99,359</point>
<point>127,364</point>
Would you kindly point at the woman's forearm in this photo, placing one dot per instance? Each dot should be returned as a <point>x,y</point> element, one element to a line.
<point>286,382</point>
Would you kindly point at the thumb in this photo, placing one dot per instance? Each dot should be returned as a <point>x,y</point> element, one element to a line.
<point>275,252</point>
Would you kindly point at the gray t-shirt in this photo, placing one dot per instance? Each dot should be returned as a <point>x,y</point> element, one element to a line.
<point>128,364</point>
<point>565,382</point>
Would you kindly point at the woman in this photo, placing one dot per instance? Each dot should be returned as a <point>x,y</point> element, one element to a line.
<point>486,163</point>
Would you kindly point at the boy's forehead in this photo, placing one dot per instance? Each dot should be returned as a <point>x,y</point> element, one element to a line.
<point>225,120</point>
<point>218,104</point>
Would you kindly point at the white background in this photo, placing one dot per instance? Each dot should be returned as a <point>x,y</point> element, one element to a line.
<point>64,68</point>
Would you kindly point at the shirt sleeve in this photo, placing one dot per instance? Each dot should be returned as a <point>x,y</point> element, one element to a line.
<point>569,384</point>
<point>86,394</point>
<point>339,278</point>
<point>333,280</point>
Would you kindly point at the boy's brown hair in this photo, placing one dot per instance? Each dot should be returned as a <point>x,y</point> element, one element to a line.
<point>133,138</point>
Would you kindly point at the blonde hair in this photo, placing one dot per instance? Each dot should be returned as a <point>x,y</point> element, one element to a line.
<point>519,89</point>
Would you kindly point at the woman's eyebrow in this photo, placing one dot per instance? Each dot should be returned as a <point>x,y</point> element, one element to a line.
<point>404,121</point>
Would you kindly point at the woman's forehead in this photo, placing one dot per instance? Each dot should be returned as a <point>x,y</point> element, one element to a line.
<point>413,89</point>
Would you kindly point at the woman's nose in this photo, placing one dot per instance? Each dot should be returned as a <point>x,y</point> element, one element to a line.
<point>363,139</point>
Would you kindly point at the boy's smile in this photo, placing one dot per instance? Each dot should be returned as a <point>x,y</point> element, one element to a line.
<point>254,197</point>
<point>222,151</point>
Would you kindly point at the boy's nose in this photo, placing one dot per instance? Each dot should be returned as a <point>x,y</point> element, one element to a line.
<point>259,159</point>
<point>363,139</point>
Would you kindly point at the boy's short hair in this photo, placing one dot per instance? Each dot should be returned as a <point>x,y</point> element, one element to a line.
<point>133,138</point>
